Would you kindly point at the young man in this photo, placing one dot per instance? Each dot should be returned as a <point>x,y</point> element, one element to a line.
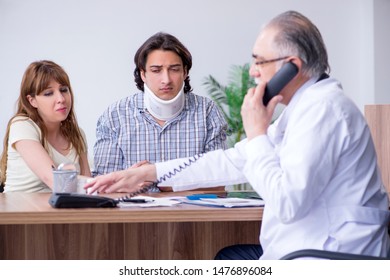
<point>165,120</point>
<point>315,166</point>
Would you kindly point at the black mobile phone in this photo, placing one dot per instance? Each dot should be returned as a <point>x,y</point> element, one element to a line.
<point>279,81</point>
<point>74,200</point>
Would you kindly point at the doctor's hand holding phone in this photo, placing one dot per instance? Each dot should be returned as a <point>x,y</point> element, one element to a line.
<point>257,109</point>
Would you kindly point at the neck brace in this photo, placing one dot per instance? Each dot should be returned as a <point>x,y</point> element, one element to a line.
<point>163,109</point>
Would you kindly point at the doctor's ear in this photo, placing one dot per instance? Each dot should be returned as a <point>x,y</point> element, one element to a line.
<point>32,101</point>
<point>297,62</point>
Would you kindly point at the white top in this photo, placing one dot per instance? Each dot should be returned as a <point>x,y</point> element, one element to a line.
<point>316,170</point>
<point>19,176</point>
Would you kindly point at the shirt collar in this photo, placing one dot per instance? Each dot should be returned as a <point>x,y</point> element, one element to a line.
<point>282,121</point>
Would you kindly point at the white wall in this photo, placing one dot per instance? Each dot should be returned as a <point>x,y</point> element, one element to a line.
<point>95,41</point>
<point>382,51</point>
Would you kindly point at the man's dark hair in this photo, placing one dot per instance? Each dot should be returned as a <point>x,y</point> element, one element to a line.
<point>165,42</point>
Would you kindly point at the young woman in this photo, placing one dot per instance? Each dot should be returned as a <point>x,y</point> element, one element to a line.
<point>43,133</point>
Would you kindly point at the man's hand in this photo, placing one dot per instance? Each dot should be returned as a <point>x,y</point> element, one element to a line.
<point>130,180</point>
<point>255,116</point>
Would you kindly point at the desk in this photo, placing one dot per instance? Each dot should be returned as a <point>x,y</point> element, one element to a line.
<point>31,229</point>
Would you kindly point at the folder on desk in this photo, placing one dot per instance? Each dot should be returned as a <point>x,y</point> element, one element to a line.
<point>225,202</point>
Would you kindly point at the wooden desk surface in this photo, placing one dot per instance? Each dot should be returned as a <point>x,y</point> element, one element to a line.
<point>31,229</point>
<point>33,208</point>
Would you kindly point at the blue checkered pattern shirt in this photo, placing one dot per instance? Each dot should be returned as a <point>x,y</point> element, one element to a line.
<point>126,133</point>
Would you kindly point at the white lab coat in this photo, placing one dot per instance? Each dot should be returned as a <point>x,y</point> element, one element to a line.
<point>317,171</point>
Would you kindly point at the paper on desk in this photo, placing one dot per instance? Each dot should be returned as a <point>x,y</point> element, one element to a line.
<point>226,202</point>
<point>152,202</point>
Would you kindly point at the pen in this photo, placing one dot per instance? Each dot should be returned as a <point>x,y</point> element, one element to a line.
<point>200,196</point>
<point>135,200</point>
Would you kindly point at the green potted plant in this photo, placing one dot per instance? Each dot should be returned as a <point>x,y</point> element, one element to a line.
<point>230,97</point>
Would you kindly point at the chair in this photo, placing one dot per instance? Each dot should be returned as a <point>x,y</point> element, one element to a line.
<point>377,117</point>
<point>322,254</point>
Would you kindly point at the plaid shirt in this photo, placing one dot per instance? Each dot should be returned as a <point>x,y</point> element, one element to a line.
<point>126,133</point>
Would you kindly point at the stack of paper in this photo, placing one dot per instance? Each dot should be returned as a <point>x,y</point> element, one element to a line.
<point>226,202</point>
<point>149,202</point>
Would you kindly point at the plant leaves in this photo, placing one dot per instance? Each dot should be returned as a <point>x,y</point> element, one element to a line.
<point>229,98</point>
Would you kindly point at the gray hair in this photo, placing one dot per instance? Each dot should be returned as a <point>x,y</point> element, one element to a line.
<point>298,36</point>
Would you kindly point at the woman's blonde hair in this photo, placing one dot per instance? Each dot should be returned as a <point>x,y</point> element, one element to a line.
<point>37,78</point>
